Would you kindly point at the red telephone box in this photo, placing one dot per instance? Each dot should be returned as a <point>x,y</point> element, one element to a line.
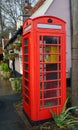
<point>44,66</point>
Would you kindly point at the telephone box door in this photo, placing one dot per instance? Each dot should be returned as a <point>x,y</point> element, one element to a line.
<point>51,72</point>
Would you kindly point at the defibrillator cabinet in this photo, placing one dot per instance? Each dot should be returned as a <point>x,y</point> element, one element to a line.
<point>44,66</point>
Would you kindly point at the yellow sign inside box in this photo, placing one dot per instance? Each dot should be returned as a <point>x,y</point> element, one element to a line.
<point>51,55</point>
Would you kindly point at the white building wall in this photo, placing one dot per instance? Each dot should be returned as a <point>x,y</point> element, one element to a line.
<point>42,9</point>
<point>61,9</point>
<point>18,61</point>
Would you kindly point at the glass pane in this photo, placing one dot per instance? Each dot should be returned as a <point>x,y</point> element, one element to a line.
<point>52,93</point>
<point>26,41</point>
<point>26,58</point>
<point>41,39</point>
<point>41,103</point>
<point>26,75</point>
<point>27,100</point>
<point>51,76</point>
<point>51,54</point>
<point>41,95</point>
<point>52,102</point>
<point>49,67</point>
<point>26,83</point>
<point>51,58</point>
<point>25,50</point>
<point>40,85</point>
<point>41,58</point>
<point>27,92</point>
<point>51,85</point>
<point>51,40</point>
<point>26,66</point>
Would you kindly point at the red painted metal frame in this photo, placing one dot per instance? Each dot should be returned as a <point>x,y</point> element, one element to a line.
<point>31,75</point>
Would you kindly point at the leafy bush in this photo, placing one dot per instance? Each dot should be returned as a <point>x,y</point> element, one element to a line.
<point>64,119</point>
<point>16,84</point>
<point>4,67</point>
<point>11,56</point>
